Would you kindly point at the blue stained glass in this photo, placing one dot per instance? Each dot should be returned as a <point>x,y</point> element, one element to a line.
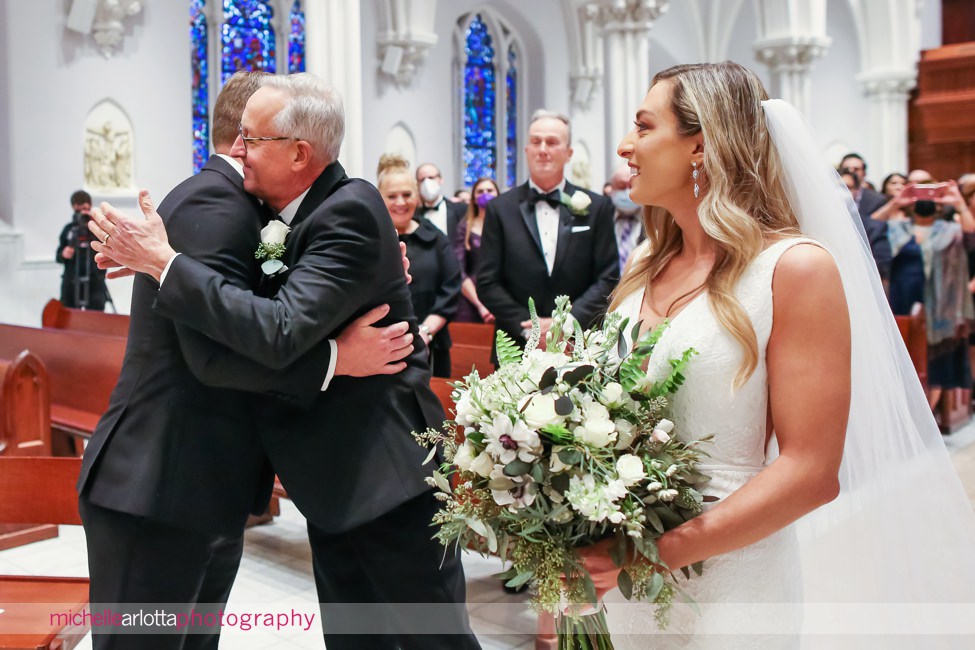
<point>479,104</point>
<point>296,39</point>
<point>201,95</point>
<point>511,83</point>
<point>247,37</point>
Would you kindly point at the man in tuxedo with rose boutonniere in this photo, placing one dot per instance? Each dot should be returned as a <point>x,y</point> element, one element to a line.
<point>546,238</point>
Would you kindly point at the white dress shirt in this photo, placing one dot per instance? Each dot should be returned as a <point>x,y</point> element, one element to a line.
<point>437,215</point>
<point>547,219</point>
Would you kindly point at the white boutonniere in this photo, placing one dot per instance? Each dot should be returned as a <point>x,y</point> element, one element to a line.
<point>272,247</point>
<point>578,203</point>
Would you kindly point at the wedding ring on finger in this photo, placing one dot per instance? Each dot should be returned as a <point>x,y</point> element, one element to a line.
<point>105,241</point>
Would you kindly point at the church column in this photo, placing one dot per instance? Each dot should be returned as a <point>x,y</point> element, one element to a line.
<point>888,94</point>
<point>889,34</point>
<point>626,28</point>
<point>333,51</point>
<point>792,36</point>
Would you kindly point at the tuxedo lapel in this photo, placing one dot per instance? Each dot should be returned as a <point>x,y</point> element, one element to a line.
<point>320,190</point>
<point>528,216</point>
<point>565,229</point>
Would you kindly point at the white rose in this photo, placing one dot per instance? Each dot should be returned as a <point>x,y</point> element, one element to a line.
<point>612,394</point>
<point>665,425</point>
<point>579,201</point>
<point>541,412</point>
<point>274,232</point>
<point>464,456</point>
<point>592,410</point>
<point>596,433</point>
<point>627,432</point>
<point>465,410</point>
<point>667,495</point>
<point>482,465</point>
<point>630,469</point>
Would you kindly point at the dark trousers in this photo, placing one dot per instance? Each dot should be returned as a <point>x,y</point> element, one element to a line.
<point>391,579</point>
<point>134,560</point>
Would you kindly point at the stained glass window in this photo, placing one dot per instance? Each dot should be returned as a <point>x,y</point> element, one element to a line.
<point>201,95</point>
<point>247,37</point>
<point>479,106</point>
<point>296,39</point>
<point>511,85</point>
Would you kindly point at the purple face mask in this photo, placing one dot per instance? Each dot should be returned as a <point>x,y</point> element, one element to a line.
<point>483,199</point>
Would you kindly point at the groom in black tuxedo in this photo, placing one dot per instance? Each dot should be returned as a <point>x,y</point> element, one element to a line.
<point>547,238</point>
<point>345,455</point>
<point>175,466</point>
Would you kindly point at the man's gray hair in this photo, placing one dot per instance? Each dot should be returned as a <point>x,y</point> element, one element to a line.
<point>543,113</point>
<point>313,112</point>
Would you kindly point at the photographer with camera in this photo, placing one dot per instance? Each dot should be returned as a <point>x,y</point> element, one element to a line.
<point>82,283</point>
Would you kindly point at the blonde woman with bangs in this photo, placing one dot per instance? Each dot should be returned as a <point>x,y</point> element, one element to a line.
<point>756,259</point>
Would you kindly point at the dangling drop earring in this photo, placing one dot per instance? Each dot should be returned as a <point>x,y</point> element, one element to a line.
<point>697,189</point>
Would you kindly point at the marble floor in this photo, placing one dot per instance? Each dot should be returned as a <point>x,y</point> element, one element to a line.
<point>275,575</point>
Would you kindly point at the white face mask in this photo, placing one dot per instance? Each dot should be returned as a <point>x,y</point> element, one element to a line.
<point>429,190</point>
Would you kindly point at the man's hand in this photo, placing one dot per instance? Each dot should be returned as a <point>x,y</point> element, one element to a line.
<point>364,350</point>
<point>67,252</point>
<point>544,323</point>
<point>406,262</point>
<point>141,245</point>
<point>115,270</point>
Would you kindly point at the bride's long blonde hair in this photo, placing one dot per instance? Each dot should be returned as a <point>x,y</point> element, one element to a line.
<point>743,204</point>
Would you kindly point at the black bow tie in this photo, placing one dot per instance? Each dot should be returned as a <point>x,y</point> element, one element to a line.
<point>552,198</point>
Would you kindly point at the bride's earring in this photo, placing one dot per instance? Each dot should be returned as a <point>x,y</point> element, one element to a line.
<point>697,189</point>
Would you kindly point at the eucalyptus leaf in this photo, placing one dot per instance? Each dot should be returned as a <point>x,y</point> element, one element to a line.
<point>654,520</point>
<point>625,583</point>
<point>433,452</point>
<point>698,567</point>
<point>656,584</point>
<point>560,483</point>
<point>492,540</point>
<point>564,405</point>
<point>536,473</point>
<point>477,526</point>
<point>442,483</point>
<point>520,579</point>
<point>271,267</point>
<point>549,377</point>
<point>570,456</point>
<point>517,467</point>
<point>576,375</point>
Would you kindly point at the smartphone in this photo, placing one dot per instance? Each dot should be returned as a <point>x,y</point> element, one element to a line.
<point>925,191</point>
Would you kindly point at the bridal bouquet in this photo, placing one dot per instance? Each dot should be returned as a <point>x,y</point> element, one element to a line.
<point>564,447</point>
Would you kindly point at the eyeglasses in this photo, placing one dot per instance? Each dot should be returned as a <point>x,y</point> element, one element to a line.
<point>245,139</point>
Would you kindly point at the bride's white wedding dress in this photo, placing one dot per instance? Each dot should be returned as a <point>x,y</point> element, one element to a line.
<point>735,591</point>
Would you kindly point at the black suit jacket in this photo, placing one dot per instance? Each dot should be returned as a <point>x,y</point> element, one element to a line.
<point>869,203</point>
<point>348,457</point>
<point>511,266</point>
<point>170,448</point>
<point>455,214</point>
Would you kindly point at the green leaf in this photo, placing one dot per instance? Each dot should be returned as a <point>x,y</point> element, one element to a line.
<point>506,575</point>
<point>654,519</point>
<point>506,349</point>
<point>686,572</point>
<point>571,456</point>
<point>656,584</point>
<point>560,483</point>
<point>557,432</point>
<point>536,473</point>
<point>517,467</point>
<point>698,567</point>
<point>433,452</point>
<point>441,482</point>
<point>520,579</point>
<point>477,526</point>
<point>474,436</point>
<point>625,583</point>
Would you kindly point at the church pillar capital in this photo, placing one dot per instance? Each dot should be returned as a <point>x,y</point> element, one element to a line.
<point>406,34</point>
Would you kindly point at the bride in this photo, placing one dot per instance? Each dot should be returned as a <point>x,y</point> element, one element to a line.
<point>756,257</point>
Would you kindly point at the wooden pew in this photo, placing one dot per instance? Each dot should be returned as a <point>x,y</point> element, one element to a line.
<point>40,490</point>
<point>471,349</point>
<point>914,331</point>
<point>57,316</point>
<point>82,368</point>
<point>25,430</point>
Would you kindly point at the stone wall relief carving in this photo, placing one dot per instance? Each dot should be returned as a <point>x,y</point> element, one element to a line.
<point>103,19</point>
<point>108,147</point>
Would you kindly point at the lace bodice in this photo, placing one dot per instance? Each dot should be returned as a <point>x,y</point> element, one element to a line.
<point>708,404</point>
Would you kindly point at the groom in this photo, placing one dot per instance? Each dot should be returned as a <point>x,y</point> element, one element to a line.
<point>346,457</point>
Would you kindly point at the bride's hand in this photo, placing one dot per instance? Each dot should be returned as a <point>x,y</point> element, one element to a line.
<point>600,566</point>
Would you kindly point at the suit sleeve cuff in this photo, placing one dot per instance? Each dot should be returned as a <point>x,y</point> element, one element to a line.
<point>332,360</point>
<point>162,277</point>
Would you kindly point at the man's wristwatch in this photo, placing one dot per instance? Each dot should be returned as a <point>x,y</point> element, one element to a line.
<point>423,328</point>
